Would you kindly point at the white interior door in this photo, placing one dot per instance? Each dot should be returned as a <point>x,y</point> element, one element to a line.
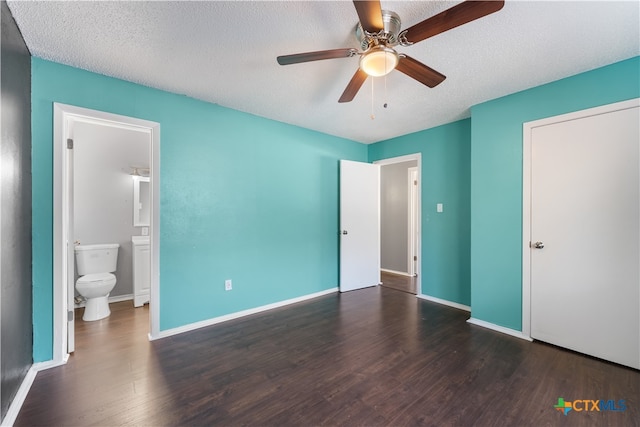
<point>359,225</point>
<point>414,232</point>
<point>585,212</point>
<point>70,251</point>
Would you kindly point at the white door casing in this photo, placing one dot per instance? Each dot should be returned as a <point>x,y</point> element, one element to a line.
<point>582,182</point>
<point>414,230</point>
<point>63,256</point>
<point>70,244</point>
<point>359,225</point>
<point>418,211</point>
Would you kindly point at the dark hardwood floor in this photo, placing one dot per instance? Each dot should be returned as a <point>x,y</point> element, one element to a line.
<point>399,282</point>
<point>373,357</point>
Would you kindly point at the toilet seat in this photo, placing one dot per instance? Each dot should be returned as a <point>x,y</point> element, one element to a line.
<point>105,278</point>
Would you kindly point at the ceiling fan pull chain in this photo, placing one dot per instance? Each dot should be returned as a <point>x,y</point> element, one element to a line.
<point>385,92</point>
<point>385,83</point>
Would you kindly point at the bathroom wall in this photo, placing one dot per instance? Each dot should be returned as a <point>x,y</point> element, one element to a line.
<point>394,216</point>
<point>15,211</point>
<point>103,191</point>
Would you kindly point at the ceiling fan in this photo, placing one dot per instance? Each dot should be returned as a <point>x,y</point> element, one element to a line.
<point>379,31</point>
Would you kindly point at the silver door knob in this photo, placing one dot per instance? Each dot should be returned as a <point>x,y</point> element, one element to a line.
<point>538,245</point>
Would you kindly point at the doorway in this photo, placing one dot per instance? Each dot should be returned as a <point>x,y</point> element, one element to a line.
<point>400,222</point>
<point>360,211</point>
<point>69,123</point>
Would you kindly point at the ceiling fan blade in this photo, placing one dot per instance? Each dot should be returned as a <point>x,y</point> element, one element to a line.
<point>417,70</point>
<point>354,86</point>
<point>370,14</point>
<point>316,56</point>
<point>451,18</point>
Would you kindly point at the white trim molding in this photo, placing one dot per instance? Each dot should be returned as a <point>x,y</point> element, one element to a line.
<point>120,298</point>
<point>499,328</point>
<point>399,159</point>
<point>64,118</point>
<point>399,273</point>
<point>43,366</point>
<point>21,395</point>
<point>17,402</point>
<point>238,314</point>
<point>445,302</point>
<point>117,298</point>
<point>407,158</point>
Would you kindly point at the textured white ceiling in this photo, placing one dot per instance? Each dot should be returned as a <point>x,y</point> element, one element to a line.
<point>225,53</point>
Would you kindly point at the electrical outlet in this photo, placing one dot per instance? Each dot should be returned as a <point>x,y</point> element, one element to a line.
<point>227,285</point>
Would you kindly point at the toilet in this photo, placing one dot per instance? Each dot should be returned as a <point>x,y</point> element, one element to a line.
<point>95,264</point>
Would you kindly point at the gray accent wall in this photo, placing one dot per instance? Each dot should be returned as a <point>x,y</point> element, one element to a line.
<point>16,331</point>
<point>394,214</point>
<point>103,191</point>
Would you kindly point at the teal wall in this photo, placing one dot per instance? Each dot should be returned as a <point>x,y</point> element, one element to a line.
<point>445,175</point>
<point>241,198</point>
<point>256,200</point>
<point>496,179</point>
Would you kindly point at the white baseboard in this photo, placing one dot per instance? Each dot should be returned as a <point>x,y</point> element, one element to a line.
<point>497,328</point>
<point>41,366</point>
<point>23,390</point>
<point>18,400</point>
<point>399,273</point>
<point>231,316</point>
<point>117,298</point>
<point>120,298</point>
<point>445,302</point>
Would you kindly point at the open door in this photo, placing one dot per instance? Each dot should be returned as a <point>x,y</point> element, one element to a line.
<point>65,117</point>
<point>359,225</point>
<point>70,251</point>
<point>414,214</point>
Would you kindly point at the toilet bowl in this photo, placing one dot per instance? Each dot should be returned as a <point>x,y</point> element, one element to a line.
<point>96,288</point>
<point>95,264</point>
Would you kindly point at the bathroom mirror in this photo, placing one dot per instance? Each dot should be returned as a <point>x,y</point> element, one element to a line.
<point>141,201</point>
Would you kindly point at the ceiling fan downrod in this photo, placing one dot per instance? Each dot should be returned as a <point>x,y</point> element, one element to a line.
<point>387,36</point>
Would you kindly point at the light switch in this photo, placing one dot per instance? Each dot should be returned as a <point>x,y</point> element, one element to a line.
<point>439,207</point>
<point>145,231</point>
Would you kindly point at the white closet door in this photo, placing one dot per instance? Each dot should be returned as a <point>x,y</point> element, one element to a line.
<point>585,211</point>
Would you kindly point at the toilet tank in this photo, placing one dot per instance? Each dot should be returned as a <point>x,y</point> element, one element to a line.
<point>92,259</point>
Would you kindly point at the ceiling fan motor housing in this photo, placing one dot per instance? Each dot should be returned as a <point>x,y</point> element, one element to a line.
<point>387,37</point>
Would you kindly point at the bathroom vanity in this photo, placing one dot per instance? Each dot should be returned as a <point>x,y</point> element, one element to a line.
<point>141,270</point>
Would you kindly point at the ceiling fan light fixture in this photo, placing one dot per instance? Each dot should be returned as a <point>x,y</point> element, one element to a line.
<point>379,61</point>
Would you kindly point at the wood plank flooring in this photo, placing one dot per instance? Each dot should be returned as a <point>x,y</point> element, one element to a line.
<point>373,357</point>
<point>399,282</point>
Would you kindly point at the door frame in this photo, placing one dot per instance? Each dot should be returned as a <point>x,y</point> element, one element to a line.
<point>64,116</point>
<point>402,159</point>
<point>527,129</point>
<point>413,225</point>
